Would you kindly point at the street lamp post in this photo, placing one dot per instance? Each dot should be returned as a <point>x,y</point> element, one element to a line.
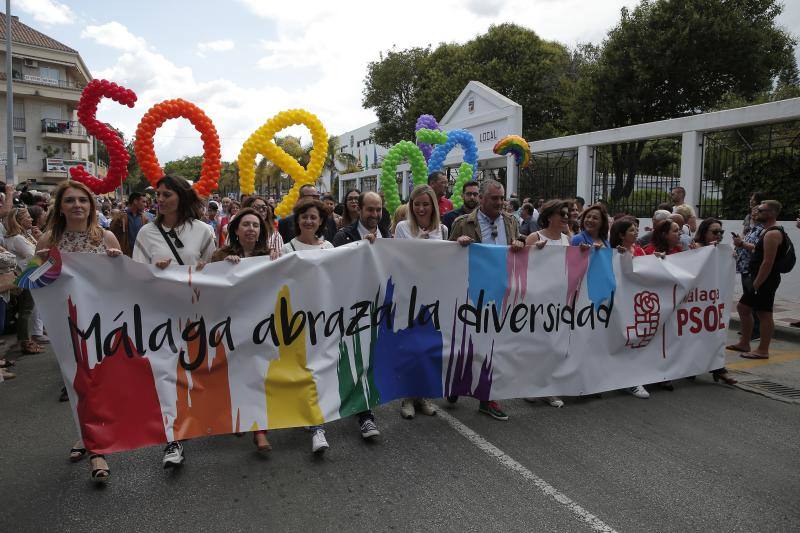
<point>9,101</point>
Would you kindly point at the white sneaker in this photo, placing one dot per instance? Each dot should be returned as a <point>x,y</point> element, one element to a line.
<point>639,391</point>
<point>425,406</point>
<point>318,442</point>
<point>173,455</point>
<point>554,401</point>
<point>407,408</point>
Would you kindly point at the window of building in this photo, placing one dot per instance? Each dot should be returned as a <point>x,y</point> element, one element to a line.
<point>20,148</point>
<point>19,115</point>
<point>48,73</point>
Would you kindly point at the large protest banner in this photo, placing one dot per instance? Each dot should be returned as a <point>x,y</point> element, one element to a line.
<point>152,355</point>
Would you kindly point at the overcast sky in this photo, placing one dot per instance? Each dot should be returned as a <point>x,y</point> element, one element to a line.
<point>242,61</point>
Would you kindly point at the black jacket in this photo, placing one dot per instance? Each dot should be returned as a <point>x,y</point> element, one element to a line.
<point>350,233</point>
<point>451,216</point>
<point>286,229</point>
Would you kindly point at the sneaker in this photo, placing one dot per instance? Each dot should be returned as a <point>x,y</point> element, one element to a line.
<point>492,409</point>
<point>318,442</point>
<point>407,408</point>
<point>639,391</point>
<point>425,406</point>
<point>369,429</point>
<point>173,455</point>
<point>452,399</point>
<point>554,401</point>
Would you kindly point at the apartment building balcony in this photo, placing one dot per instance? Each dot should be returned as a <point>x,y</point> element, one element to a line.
<point>19,123</point>
<point>47,82</point>
<point>48,88</point>
<point>57,167</point>
<point>64,130</point>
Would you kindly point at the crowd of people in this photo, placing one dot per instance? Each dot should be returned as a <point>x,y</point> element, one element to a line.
<point>175,226</point>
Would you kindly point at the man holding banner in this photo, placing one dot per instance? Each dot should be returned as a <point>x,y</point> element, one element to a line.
<point>488,224</point>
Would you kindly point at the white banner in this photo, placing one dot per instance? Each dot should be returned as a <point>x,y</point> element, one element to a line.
<point>154,355</point>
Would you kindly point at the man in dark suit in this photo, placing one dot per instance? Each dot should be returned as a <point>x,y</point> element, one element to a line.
<point>469,193</point>
<point>368,226</point>
<point>286,225</point>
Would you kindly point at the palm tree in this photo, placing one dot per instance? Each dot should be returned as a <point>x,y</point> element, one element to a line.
<point>336,155</point>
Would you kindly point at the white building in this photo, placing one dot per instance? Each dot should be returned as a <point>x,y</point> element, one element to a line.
<point>48,77</point>
<point>484,112</point>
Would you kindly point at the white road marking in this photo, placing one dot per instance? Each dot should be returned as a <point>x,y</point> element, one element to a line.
<point>510,463</point>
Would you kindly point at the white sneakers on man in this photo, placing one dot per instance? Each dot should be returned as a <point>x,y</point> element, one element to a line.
<point>639,391</point>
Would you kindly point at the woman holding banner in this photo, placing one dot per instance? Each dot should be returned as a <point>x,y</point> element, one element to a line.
<point>710,233</point>
<point>177,235</point>
<point>422,222</point>
<point>310,220</point>
<point>553,230</point>
<point>666,239</point>
<point>247,235</point>
<point>73,227</point>
<point>594,228</point>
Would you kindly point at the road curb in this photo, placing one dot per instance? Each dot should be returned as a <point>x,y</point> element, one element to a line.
<point>785,333</point>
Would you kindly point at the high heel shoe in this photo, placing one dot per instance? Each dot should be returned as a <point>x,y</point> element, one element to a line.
<point>725,377</point>
<point>261,442</point>
<point>99,475</point>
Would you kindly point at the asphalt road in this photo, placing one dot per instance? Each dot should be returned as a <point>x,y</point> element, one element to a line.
<point>705,457</point>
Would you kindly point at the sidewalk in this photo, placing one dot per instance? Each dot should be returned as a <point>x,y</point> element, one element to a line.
<point>785,313</point>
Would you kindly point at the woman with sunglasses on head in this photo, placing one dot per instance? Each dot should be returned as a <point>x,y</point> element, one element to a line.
<point>710,233</point>
<point>422,222</point>
<point>553,226</point>
<point>73,226</point>
<point>264,210</point>
<point>178,236</point>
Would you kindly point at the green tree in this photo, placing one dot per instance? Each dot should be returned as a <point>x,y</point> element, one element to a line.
<point>391,88</point>
<point>508,58</point>
<point>668,59</point>
<point>188,167</point>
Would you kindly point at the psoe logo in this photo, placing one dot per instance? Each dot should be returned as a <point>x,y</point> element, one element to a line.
<point>646,314</point>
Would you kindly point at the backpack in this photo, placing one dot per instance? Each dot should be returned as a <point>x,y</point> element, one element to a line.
<point>785,263</point>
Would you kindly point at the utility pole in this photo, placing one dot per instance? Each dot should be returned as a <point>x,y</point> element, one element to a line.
<point>9,102</point>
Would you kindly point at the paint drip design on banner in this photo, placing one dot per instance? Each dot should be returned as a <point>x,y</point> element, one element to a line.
<point>401,363</point>
<point>203,404</point>
<point>596,267</point>
<point>289,386</point>
<point>118,406</point>
<point>485,288</point>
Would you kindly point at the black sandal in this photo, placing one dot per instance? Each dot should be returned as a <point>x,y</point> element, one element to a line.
<point>76,454</point>
<point>99,475</point>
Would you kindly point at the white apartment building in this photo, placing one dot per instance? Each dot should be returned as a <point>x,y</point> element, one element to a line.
<point>48,77</point>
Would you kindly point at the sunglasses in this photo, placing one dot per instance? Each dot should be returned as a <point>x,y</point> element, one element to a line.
<point>718,232</point>
<point>494,230</point>
<point>564,214</point>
